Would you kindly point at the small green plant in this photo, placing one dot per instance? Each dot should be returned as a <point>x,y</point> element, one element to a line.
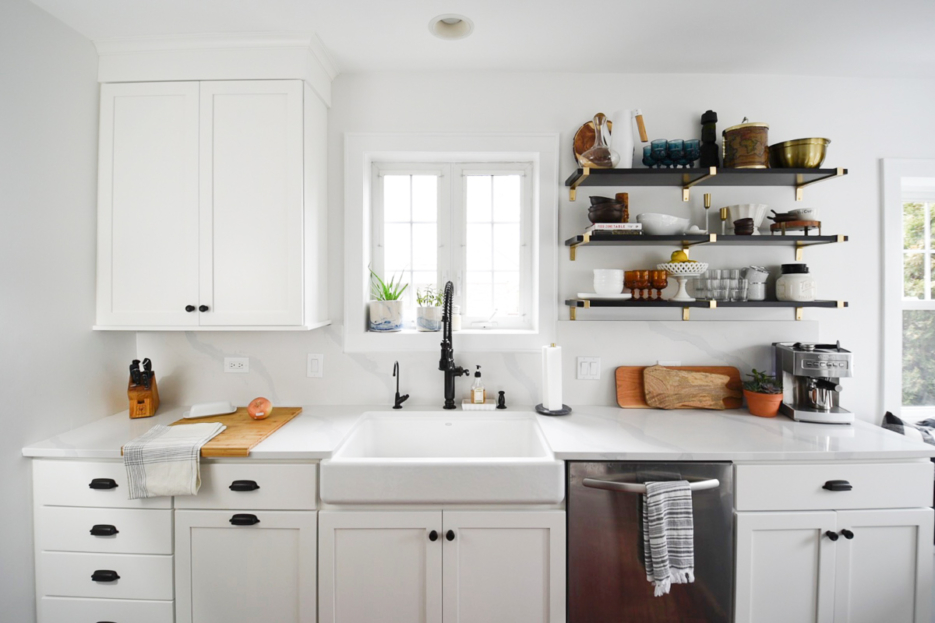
<point>430,297</point>
<point>762,383</point>
<point>383,291</point>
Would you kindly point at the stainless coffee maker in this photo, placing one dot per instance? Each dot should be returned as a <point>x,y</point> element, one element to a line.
<point>810,375</point>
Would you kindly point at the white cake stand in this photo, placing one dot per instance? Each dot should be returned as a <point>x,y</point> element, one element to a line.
<point>682,271</point>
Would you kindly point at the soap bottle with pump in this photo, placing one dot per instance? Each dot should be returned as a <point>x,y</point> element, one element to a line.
<point>478,393</point>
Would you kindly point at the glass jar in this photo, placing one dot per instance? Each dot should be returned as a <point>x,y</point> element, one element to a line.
<point>795,284</point>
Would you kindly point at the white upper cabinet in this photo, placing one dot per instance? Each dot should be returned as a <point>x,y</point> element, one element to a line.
<point>210,206</point>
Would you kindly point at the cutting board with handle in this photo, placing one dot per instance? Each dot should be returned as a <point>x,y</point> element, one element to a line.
<point>243,432</point>
<point>678,391</point>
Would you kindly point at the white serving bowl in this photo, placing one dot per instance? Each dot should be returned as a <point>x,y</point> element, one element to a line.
<point>662,224</point>
<point>608,280</point>
<point>683,269</point>
<point>756,211</point>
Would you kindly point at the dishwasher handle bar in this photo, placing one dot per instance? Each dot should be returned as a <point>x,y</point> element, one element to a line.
<point>635,487</point>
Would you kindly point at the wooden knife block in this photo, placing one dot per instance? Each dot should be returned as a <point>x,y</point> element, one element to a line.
<point>143,402</point>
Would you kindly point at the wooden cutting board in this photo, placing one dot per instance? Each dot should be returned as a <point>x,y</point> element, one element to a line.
<point>631,390</point>
<point>243,432</point>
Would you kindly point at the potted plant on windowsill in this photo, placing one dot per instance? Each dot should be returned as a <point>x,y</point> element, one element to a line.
<point>386,309</point>
<point>763,394</point>
<point>429,312</point>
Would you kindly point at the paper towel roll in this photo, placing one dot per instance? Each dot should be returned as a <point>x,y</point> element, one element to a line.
<point>552,377</point>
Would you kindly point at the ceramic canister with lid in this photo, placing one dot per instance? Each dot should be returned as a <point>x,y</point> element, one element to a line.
<point>795,284</point>
<point>746,146</point>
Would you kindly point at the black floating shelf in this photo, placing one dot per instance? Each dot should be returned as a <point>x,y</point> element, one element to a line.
<point>685,177</point>
<point>580,303</point>
<point>609,239</point>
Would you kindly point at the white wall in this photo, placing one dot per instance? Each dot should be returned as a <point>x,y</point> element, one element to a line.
<point>867,119</point>
<point>55,374</point>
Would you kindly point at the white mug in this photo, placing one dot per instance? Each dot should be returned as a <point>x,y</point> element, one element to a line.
<point>608,281</point>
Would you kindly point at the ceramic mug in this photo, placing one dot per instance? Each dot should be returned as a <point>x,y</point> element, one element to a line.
<point>608,281</point>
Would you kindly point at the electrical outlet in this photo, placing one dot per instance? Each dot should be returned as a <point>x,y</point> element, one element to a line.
<point>589,368</point>
<point>238,365</point>
<point>316,366</point>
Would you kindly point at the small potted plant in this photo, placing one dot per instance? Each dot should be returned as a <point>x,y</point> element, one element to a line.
<point>386,309</point>
<point>429,312</point>
<point>763,394</point>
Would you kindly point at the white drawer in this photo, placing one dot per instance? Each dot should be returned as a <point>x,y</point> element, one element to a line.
<point>70,610</point>
<point>68,483</point>
<point>281,487</point>
<point>138,531</point>
<point>801,486</point>
<point>66,574</point>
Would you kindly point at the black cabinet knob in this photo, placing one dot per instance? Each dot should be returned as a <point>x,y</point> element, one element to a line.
<point>450,535</point>
<point>837,485</point>
<point>104,530</point>
<point>244,519</point>
<point>104,575</point>
<point>831,535</point>
<point>203,308</point>
<point>190,308</point>
<point>847,534</point>
<point>103,483</point>
<point>433,536</point>
<point>244,485</point>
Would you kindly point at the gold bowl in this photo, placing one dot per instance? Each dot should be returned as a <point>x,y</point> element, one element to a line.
<point>802,153</point>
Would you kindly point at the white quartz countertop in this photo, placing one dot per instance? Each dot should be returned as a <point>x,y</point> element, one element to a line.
<point>589,433</point>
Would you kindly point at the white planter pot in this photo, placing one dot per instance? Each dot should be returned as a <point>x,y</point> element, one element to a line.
<point>429,318</point>
<point>386,316</point>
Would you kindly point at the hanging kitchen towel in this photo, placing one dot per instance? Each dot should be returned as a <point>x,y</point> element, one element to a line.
<point>668,535</point>
<point>165,459</point>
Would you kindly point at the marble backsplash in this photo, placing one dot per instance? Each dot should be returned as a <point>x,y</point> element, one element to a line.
<point>189,365</point>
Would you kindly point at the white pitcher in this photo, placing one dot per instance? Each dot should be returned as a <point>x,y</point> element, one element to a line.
<point>621,135</point>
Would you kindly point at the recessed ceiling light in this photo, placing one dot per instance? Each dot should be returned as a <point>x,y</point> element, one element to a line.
<point>451,26</point>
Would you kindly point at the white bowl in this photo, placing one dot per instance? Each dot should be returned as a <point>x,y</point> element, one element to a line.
<point>662,224</point>
<point>608,280</point>
<point>683,269</point>
<point>756,211</point>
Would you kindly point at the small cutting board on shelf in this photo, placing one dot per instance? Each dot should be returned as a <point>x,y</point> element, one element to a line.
<point>243,432</point>
<point>674,391</point>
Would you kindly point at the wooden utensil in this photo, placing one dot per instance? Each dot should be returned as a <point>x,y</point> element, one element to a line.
<point>243,432</point>
<point>683,389</point>
<point>631,391</point>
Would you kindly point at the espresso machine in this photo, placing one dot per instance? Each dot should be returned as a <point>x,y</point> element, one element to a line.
<point>810,375</point>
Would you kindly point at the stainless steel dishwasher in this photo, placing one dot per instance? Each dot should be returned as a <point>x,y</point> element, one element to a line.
<point>606,577</point>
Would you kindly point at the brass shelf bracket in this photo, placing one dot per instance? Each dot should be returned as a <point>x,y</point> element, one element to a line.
<point>572,313</point>
<point>571,250</point>
<point>801,245</point>
<point>799,313</point>
<point>799,194</point>
<point>686,188</point>
<point>686,314</point>
<point>712,239</point>
<point>573,190</point>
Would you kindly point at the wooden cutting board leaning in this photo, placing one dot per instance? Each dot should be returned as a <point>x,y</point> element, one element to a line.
<point>243,432</point>
<point>679,387</point>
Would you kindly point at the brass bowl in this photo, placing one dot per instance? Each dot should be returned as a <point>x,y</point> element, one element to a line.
<point>802,153</point>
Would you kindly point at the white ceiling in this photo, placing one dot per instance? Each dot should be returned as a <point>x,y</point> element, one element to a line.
<point>798,37</point>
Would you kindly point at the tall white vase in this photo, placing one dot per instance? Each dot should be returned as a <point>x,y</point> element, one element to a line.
<point>621,136</point>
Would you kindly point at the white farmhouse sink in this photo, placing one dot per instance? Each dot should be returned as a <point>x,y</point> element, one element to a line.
<point>443,457</point>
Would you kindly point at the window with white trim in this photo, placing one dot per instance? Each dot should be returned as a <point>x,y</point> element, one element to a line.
<point>467,222</point>
<point>918,294</point>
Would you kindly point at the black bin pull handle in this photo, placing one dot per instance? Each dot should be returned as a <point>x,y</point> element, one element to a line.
<point>450,535</point>
<point>104,575</point>
<point>837,485</point>
<point>104,530</point>
<point>103,483</point>
<point>244,485</point>
<point>831,535</point>
<point>244,519</point>
<point>433,535</point>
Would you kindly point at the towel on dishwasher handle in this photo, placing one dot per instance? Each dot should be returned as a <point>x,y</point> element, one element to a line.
<point>165,459</point>
<point>668,535</point>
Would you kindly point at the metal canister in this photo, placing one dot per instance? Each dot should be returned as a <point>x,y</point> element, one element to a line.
<point>746,146</point>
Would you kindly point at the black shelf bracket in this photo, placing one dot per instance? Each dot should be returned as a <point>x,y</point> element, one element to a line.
<point>799,186</point>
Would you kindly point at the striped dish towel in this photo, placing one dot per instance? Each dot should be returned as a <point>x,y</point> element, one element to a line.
<point>165,459</point>
<point>668,535</point>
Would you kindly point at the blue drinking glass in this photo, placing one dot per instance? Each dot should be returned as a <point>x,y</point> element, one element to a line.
<point>692,150</point>
<point>675,149</point>
<point>648,157</point>
<point>658,150</point>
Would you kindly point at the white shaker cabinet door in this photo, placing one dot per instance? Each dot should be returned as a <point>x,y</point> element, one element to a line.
<point>380,566</point>
<point>252,203</point>
<point>504,567</point>
<point>785,567</point>
<point>246,573</point>
<point>884,570</point>
<point>147,262</point>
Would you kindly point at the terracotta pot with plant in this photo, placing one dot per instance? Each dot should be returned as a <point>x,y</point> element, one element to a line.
<point>763,393</point>
<point>386,308</point>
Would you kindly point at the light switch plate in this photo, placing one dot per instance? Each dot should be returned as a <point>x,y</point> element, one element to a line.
<point>589,369</point>
<point>237,365</point>
<point>316,366</point>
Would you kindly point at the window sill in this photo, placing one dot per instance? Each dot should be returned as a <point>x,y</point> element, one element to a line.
<point>466,340</point>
